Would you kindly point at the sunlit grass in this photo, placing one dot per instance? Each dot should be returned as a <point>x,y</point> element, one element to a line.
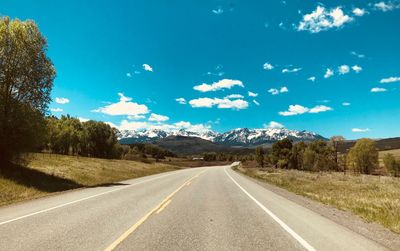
<point>374,198</point>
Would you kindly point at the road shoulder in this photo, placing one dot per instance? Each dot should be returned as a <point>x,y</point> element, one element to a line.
<point>372,231</point>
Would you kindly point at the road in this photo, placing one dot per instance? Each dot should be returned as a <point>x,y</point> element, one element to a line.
<point>207,208</point>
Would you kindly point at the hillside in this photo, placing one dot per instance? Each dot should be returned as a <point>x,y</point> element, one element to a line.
<point>381,144</point>
<point>45,174</point>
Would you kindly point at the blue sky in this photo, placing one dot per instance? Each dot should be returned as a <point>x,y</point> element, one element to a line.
<point>332,67</point>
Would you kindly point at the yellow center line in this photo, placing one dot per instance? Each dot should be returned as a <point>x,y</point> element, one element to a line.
<point>163,206</point>
<point>159,208</point>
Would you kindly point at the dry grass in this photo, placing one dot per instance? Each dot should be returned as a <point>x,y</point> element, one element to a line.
<point>45,174</point>
<point>373,198</point>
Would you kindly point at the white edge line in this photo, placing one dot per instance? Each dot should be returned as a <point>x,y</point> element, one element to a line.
<point>303,242</point>
<point>83,199</point>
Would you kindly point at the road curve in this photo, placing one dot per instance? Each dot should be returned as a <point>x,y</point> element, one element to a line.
<point>208,208</point>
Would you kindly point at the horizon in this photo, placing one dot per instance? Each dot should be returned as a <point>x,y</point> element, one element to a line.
<point>222,65</point>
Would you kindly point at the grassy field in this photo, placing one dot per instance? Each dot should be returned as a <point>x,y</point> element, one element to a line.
<point>44,174</point>
<point>373,198</point>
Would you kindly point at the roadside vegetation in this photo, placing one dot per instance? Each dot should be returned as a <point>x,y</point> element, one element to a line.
<point>361,180</point>
<point>44,174</point>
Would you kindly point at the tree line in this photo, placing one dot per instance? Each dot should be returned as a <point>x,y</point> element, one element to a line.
<point>324,156</point>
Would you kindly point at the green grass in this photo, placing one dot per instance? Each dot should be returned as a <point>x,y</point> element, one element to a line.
<point>373,198</point>
<point>45,174</point>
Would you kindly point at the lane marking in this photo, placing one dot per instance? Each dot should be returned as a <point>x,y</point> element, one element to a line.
<point>303,242</point>
<point>146,216</point>
<point>163,206</point>
<point>188,183</point>
<point>82,199</point>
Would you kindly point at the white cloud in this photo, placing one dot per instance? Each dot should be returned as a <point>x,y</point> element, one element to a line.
<point>284,89</point>
<point>129,75</point>
<point>360,130</point>
<point>224,103</point>
<point>218,11</point>
<point>267,66</point>
<point>378,89</point>
<point>222,84</point>
<point>181,101</point>
<point>158,118</point>
<point>386,6</point>
<point>275,91</point>
<point>389,80</point>
<point>252,94</point>
<point>56,109</point>
<point>346,104</point>
<point>329,73</point>
<point>286,70</point>
<point>359,12</point>
<point>147,67</point>
<point>233,96</point>
<point>136,117</point>
<point>356,68</point>
<point>294,110</point>
<point>81,119</point>
<point>123,107</point>
<point>256,102</point>
<point>320,108</point>
<point>274,124</point>
<point>62,101</point>
<point>312,79</point>
<point>322,19</point>
<point>357,54</point>
<point>111,124</point>
<point>299,109</point>
<point>343,69</point>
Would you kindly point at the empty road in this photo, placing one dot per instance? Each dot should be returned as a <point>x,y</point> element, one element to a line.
<point>208,208</point>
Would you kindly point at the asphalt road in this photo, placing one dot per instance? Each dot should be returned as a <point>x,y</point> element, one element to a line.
<point>208,208</point>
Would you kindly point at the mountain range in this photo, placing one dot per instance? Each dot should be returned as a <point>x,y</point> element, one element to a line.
<point>241,137</point>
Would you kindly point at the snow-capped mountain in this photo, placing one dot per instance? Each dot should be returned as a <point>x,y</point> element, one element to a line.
<point>236,137</point>
<point>252,137</point>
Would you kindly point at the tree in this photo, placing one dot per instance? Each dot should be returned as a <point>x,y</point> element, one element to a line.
<point>363,156</point>
<point>280,153</point>
<point>335,141</point>
<point>26,80</point>
<point>260,156</point>
<point>391,164</point>
<point>297,156</point>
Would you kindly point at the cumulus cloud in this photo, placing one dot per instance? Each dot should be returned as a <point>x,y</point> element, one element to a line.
<point>320,108</point>
<point>267,66</point>
<point>356,68</point>
<point>343,69</point>
<point>386,6</point>
<point>147,67</point>
<point>136,117</point>
<point>218,11</point>
<point>222,84</point>
<point>81,119</point>
<point>293,70</point>
<point>256,102</point>
<point>322,19</point>
<point>252,94</point>
<point>274,124</point>
<point>181,101</point>
<point>312,78</point>
<point>233,96</point>
<point>346,104</point>
<point>56,109</point>
<point>378,89</point>
<point>129,75</point>
<point>125,106</point>
<point>359,12</point>
<point>389,80</point>
<point>275,91</point>
<point>158,118</point>
<point>329,73</point>
<point>299,109</point>
<point>225,103</point>
<point>62,101</point>
<point>360,130</point>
